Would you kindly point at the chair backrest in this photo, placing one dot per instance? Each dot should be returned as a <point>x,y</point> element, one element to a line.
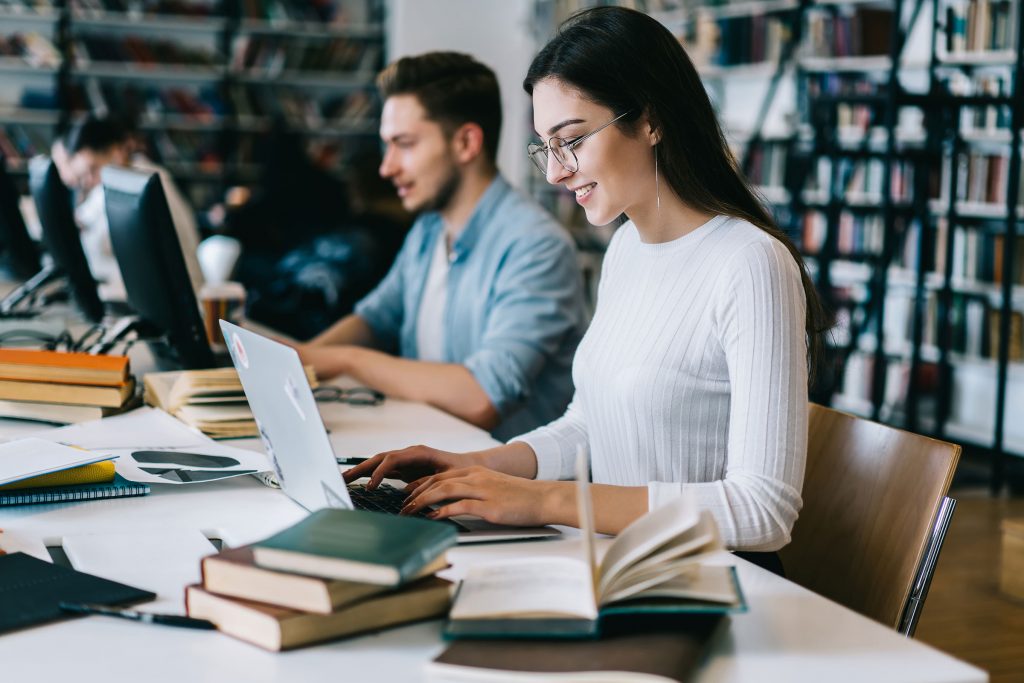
<point>872,495</point>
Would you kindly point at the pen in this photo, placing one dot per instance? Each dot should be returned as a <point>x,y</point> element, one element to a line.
<point>350,461</point>
<point>135,615</point>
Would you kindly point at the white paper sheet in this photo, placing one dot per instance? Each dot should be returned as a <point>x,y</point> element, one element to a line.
<point>26,458</point>
<point>158,560</point>
<point>149,429</point>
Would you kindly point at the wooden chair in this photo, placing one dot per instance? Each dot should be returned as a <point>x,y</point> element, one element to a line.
<point>874,517</point>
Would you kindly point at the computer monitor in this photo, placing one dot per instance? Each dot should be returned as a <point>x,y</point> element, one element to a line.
<point>61,236</point>
<point>20,253</point>
<point>152,265</point>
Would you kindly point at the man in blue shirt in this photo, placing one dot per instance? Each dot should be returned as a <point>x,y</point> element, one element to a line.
<point>483,305</point>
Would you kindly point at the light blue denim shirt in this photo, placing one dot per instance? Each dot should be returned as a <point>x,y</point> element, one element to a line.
<point>514,308</point>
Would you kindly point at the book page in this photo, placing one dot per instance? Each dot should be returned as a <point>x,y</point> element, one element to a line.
<point>646,535</point>
<point>696,542</point>
<point>644,579</point>
<point>585,510</point>
<point>197,415</point>
<point>527,588</point>
<point>699,582</point>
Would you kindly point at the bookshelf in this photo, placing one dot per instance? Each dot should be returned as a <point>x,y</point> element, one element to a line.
<point>202,80</point>
<point>30,69</point>
<point>978,58</point>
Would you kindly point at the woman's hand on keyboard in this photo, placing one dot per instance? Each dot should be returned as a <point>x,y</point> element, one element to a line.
<point>494,496</point>
<point>408,464</point>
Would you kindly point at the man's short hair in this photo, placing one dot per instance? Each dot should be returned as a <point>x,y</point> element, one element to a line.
<point>453,88</point>
<point>95,134</point>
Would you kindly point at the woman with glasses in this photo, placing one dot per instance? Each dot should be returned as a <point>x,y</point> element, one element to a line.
<point>692,378</point>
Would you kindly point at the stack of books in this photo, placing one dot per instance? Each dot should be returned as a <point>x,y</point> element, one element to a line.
<point>63,387</point>
<point>212,401</point>
<point>335,574</point>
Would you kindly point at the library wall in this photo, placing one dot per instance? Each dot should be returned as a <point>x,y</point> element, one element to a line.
<point>496,33</point>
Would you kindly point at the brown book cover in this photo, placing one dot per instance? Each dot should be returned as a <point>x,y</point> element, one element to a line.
<point>234,573</point>
<point>279,628</point>
<point>63,367</point>
<point>643,655</point>
<point>74,394</point>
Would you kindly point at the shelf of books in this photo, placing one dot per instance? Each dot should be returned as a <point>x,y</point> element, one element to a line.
<point>29,68</point>
<point>202,81</point>
<point>932,336</point>
<point>979,241</point>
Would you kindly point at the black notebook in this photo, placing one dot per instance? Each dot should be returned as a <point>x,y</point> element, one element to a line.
<point>118,488</point>
<point>31,591</point>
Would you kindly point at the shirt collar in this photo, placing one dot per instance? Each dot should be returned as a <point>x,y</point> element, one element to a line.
<point>478,220</point>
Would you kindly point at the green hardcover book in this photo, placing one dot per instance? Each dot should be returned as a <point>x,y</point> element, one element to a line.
<point>354,545</point>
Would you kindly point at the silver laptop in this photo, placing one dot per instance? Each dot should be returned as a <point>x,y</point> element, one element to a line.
<point>296,440</point>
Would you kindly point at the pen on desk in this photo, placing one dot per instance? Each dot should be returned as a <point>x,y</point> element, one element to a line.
<point>135,615</point>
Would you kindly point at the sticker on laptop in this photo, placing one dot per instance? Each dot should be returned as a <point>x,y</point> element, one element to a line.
<point>239,349</point>
<point>292,392</point>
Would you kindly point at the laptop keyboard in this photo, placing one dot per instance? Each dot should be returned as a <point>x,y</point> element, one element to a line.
<point>387,499</point>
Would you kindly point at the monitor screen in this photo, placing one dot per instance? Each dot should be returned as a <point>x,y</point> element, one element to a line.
<point>20,254</point>
<point>149,254</point>
<point>60,235</point>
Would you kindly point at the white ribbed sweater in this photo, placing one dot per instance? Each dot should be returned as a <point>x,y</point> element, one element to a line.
<point>692,379</point>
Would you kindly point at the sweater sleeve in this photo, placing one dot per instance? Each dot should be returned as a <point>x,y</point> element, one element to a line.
<point>555,444</point>
<point>759,316</point>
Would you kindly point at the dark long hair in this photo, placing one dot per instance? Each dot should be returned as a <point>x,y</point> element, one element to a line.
<point>628,62</point>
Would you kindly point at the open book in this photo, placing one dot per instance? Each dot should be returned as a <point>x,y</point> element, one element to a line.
<point>654,567</point>
<point>212,401</point>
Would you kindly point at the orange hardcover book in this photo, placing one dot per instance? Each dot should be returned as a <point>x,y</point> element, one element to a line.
<point>63,367</point>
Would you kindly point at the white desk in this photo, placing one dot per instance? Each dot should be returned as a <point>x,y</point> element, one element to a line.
<point>788,635</point>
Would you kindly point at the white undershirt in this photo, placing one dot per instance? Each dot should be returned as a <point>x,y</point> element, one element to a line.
<point>430,321</point>
<point>692,380</point>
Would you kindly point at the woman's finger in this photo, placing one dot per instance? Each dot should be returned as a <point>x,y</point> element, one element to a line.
<point>466,506</point>
<point>363,468</point>
<point>439,493</point>
<point>388,465</point>
<point>426,482</point>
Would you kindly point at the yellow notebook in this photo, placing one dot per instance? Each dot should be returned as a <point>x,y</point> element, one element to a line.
<point>96,473</point>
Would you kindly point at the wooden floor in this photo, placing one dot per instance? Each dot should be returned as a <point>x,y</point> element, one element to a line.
<point>965,614</point>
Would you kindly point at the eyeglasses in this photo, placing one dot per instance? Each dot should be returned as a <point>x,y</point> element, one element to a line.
<point>354,396</point>
<point>563,150</point>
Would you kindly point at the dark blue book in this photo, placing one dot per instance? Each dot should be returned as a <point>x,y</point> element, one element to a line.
<point>118,488</point>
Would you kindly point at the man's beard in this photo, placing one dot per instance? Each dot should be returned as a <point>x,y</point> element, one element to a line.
<point>443,197</point>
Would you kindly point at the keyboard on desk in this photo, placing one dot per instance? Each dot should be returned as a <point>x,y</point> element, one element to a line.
<point>388,499</point>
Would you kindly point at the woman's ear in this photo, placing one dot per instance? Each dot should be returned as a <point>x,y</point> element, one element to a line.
<point>468,142</point>
<point>653,130</point>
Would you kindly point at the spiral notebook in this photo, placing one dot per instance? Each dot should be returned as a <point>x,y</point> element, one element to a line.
<point>118,488</point>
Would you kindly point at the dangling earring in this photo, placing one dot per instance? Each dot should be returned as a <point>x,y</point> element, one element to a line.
<point>657,180</point>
